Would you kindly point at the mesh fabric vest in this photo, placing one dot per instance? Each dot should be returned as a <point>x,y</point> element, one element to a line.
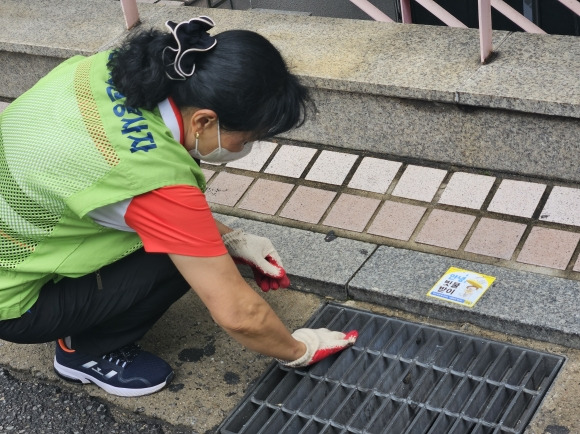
<point>67,146</point>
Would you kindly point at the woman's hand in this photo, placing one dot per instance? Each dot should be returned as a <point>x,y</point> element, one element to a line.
<point>320,343</point>
<point>260,255</point>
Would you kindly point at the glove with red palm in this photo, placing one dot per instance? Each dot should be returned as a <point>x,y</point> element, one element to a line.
<point>260,255</point>
<point>320,343</point>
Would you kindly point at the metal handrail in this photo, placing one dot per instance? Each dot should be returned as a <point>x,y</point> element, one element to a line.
<point>484,12</point>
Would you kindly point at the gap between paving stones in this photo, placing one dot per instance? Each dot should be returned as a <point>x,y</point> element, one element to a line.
<point>570,271</point>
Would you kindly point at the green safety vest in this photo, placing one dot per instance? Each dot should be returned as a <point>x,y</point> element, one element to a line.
<point>69,145</point>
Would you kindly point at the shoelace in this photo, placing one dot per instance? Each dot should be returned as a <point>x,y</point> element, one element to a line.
<point>123,355</point>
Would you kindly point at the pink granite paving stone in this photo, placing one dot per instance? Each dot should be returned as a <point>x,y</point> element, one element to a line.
<point>307,204</point>
<point>331,167</point>
<point>445,229</point>
<point>266,196</point>
<point>396,220</point>
<point>374,174</point>
<point>351,212</point>
<point>551,248</point>
<point>256,159</point>
<point>227,188</point>
<point>467,190</point>
<point>562,206</point>
<point>419,183</point>
<point>518,198</point>
<point>208,174</point>
<point>290,161</point>
<point>495,238</point>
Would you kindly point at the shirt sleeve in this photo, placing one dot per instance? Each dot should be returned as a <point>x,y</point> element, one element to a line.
<point>175,219</point>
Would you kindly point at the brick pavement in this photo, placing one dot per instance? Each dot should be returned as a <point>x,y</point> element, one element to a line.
<point>498,218</point>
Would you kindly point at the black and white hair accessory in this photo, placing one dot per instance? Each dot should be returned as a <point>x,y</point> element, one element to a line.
<point>191,37</point>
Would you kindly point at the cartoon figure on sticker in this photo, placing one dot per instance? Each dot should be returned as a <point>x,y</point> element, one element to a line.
<point>473,285</point>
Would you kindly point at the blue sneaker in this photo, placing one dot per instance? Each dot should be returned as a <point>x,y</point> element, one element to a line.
<point>128,371</point>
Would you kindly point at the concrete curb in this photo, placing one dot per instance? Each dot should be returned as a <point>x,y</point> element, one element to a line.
<point>521,303</point>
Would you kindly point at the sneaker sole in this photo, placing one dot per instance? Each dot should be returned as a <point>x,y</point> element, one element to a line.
<point>75,376</point>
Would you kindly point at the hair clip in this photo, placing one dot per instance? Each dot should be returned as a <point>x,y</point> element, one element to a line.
<point>191,37</point>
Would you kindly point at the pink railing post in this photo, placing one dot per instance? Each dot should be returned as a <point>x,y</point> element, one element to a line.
<point>485,30</point>
<point>130,12</point>
<point>372,11</point>
<point>406,17</point>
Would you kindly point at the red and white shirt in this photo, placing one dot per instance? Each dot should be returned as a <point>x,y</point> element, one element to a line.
<point>173,219</point>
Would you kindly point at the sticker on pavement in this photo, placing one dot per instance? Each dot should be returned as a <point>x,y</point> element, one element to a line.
<point>461,286</point>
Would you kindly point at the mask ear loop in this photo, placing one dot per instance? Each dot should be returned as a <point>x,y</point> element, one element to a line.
<point>219,138</point>
<point>219,135</point>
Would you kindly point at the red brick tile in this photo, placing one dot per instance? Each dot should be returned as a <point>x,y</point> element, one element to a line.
<point>445,229</point>
<point>227,188</point>
<point>396,220</point>
<point>266,196</point>
<point>351,212</point>
<point>307,204</point>
<point>551,248</point>
<point>495,238</point>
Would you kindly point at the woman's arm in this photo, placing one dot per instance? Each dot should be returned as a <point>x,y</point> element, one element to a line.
<point>223,229</point>
<point>236,307</point>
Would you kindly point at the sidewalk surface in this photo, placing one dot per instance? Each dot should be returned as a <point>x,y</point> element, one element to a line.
<point>366,228</point>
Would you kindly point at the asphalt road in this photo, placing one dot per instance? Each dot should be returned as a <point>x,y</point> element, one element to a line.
<point>31,406</point>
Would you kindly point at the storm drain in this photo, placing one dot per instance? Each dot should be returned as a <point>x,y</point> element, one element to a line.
<point>399,377</point>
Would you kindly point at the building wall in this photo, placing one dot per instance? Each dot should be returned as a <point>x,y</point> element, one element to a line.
<point>320,8</point>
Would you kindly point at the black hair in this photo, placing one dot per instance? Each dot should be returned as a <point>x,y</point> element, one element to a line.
<point>244,79</point>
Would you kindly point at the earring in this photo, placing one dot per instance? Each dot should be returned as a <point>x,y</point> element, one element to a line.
<point>196,139</point>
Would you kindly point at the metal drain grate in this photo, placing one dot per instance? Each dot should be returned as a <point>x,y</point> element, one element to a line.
<point>400,377</point>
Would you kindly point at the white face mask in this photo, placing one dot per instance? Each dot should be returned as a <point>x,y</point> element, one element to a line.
<point>220,155</point>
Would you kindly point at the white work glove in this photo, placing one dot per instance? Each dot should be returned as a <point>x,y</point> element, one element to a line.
<point>320,343</point>
<point>260,255</point>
